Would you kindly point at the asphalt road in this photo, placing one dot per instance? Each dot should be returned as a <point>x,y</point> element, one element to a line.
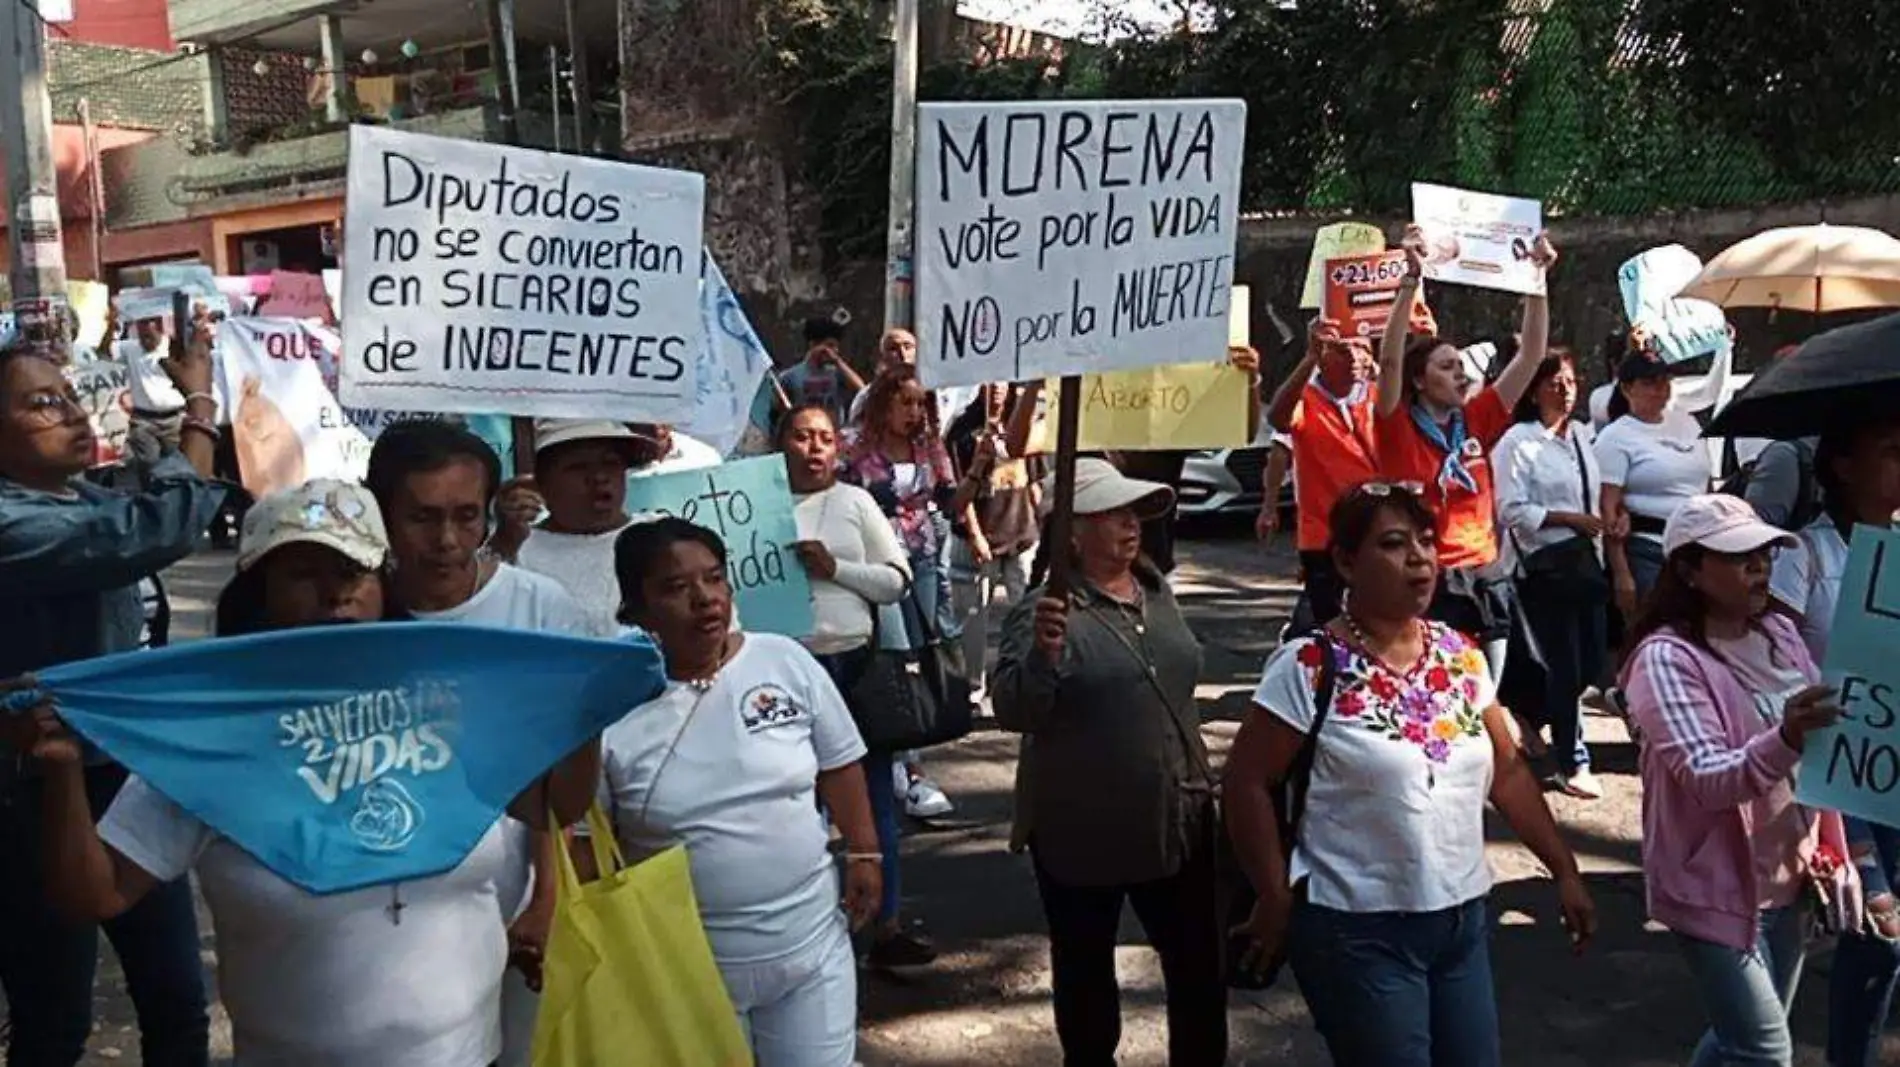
<point>1626,1003</point>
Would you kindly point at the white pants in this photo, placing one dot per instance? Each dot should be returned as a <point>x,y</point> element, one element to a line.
<point>802,1010</point>
<point>973,588</point>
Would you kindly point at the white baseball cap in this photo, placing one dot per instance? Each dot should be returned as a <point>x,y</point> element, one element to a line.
<point>323,511</point>
<point>1100,488</point>
<point>551,432</point>
<point>1721,523</point>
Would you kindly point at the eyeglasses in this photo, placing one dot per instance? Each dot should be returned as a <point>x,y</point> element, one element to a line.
<point>52,409</point>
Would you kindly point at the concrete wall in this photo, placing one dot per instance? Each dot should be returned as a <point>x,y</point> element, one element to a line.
<point>1586,304</point>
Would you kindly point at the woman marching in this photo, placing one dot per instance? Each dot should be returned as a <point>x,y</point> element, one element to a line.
<point>1435,432</point>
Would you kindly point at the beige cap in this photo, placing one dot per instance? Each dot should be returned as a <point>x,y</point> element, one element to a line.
<point>323,511</point>
<point>551,432</point>
<point>1100,488</point>
<point>1721,523</point>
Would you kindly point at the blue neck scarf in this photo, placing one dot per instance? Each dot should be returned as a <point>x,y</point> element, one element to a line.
<point>342,757</point>
<point>1453,470</point>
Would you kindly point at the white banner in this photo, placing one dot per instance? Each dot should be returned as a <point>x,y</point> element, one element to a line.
<point>107,398</point>
<point>481,278</point>
<point>1479,239</point>
<point>732,362</point>
<point>287,425</point>
<point>1064,237</point>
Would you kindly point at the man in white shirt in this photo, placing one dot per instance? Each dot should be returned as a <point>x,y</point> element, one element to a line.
<point>580,470</point>
<point>155,400</point>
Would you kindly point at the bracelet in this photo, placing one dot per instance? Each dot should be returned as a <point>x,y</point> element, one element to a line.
<point>203,426</point>
<point>189,397</point>
<point>865,857</point>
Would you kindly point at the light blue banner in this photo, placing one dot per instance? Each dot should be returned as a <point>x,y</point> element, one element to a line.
<point>1854,766</point>
<point>732,363</point>
<point>1683,329</point>
<point>355,755</point>
<point>748,503</point>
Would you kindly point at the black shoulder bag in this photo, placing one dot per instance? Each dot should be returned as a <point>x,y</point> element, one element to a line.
<point>1289,805</point>
<point>1571,568</point>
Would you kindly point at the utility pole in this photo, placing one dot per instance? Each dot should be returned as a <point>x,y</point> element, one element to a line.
<point>900,238</point>
<point>38,260</point>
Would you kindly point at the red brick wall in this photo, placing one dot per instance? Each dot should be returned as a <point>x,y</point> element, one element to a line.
<point>127,23</point>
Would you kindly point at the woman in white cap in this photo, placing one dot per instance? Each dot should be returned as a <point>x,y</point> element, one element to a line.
<point>409,973</point>
<point>1114,793</point>
<point>580,472</point>
<point>1726,696</point>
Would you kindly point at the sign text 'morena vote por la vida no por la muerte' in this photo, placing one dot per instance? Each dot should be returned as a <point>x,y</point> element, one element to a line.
<point>482,278</point>
<point>1063,237</point>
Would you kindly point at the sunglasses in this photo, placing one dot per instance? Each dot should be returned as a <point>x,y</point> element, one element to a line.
<point>1382,490</point>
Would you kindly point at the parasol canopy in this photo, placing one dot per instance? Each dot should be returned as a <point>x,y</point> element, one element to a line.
<point>1818,268</point>
<point>1839,378</point>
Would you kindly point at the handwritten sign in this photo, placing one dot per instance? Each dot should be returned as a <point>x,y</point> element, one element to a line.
<point>1065,237</point>
<point>1338,241</point>
<point>1361,292</point>
<point>106,397</point>
<point>1854,766</point>
<point>1479,239</point>
<point>483,278</point>
<point>1683,328</point>
<point>1190,406</point>
<point>288,426</point>
<point>748,503</point>
<point>295,296</point>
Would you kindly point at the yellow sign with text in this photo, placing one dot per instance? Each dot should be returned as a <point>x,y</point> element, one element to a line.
<point>1181,406</point>
<point>1338,241</point>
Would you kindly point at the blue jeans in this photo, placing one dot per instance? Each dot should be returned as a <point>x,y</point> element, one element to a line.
<point>1399,989</point>
<point>1646,563</point>
<point>930,580</point>
<point>845,669</point>
<point>1860,992</point>
<point>47,964</point>
<point>1747,993</point>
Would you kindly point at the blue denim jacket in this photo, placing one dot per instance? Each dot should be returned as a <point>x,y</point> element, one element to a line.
<point>70,564</point>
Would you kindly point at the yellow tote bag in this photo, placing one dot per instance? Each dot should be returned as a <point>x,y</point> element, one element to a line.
<point>629,977</point>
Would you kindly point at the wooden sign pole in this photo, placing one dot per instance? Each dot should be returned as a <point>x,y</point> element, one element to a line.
<point>1062,509</point>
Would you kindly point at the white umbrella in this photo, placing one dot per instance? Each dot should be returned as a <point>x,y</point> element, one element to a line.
<point>1818,269</point>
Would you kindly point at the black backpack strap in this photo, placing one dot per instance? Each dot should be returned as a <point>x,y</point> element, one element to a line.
<point>1300,775</point>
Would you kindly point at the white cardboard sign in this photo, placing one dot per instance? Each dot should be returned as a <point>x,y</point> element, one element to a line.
<point>481,278</point>
<point>1479,239</point>
<point>1067,237</point>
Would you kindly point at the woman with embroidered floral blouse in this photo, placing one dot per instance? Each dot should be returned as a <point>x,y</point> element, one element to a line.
<point>1378,897</point>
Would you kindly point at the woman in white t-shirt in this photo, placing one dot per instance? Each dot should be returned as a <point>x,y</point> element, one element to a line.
<point>1379,899</point>
<point>1653,460</point>
<point>405,974</point>
<point>856,566</point>
<point>1858,471</point>
<point>732,761</point>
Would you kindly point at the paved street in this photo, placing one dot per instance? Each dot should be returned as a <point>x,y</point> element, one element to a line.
<point>1626,1004</point>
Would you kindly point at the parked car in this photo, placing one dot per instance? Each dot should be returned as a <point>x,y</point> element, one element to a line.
<point>1226,481</point>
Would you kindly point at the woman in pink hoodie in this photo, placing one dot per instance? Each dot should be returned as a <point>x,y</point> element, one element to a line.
<point>1725,695</point>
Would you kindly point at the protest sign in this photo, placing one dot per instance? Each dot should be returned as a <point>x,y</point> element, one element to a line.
<point>748,503</point>
<point>483,278</point>
<point>288,426</point>
<point>1064,237</point>
<point>1240,318</point>
<point>1479,239</point>
<point>1188,406</point>
<point>106,397</point>
<point>1361,292</point>
<point>91,301</point>
<point>347,756</point>
<point>1338,241</point>
<point>1683,329</point>
<point>731,362</point>
<point>295,296</point>
<point>1854,765</point>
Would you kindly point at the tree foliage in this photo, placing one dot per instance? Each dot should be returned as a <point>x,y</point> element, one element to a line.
<point>1595,106</point>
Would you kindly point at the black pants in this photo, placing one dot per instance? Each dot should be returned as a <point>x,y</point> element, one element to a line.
<point>46,963</point>
<point>1182,923</point>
